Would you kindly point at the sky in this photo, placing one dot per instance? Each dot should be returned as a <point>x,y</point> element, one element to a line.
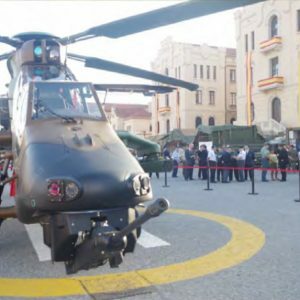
<point>63,18</point>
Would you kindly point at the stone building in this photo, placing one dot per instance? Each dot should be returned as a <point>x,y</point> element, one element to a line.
<point>134,118</point>
<point>214,103</point>
<point>268,41</point>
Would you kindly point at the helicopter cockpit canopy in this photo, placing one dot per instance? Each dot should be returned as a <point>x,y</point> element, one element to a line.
<point>64,99</point>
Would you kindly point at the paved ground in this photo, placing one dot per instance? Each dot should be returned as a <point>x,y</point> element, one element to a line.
<point>273,273</point>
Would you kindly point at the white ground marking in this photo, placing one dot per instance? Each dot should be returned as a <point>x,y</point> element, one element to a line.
<point>35,233</point>
<point>148,240</point>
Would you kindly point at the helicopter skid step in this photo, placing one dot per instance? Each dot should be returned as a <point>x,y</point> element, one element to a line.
<point>35,233</point>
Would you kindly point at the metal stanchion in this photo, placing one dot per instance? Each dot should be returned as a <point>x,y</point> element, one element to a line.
<point>298,200</point>
<point>166,177</point>
<point>208,180</point>
<point>252,183</point>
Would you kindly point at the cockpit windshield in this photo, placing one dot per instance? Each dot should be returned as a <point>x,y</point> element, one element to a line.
<point>66,100</point>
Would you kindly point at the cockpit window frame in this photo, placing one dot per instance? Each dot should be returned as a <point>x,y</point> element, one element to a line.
<point>83,117</point>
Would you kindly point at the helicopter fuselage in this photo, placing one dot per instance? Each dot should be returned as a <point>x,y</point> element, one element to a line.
<point>81,151</point>
<point>75,176</point>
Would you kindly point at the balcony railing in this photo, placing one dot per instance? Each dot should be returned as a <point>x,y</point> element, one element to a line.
<point>271,83</point>
<point>164,110</point>
<point>271,44</point>
<point>270,127</point>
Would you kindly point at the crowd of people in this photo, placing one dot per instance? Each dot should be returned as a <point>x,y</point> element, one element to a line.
<point>224,164</point>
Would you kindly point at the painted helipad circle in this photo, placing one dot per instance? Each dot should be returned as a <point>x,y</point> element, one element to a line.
<point>246,240</point>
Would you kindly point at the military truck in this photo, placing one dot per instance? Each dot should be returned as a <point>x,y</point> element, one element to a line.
<point>147,152</point>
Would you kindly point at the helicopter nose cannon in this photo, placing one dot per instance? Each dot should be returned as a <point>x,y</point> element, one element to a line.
<point>103,244</point>
<point>158,207</point>
<point>153,210</point>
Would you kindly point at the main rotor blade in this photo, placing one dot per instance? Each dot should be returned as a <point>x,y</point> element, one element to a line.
<point>147,90</point>
<point>97,63</point>
<point>5,56</point>
<point>10,41</point>
<point>157,18</point>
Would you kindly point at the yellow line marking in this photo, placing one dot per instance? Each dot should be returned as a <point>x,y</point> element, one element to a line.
<point>246,240</point>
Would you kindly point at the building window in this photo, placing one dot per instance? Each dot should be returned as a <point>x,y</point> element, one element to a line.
<point>201,71</point>
<point>128,128</point>
<point>150,128</point>
<point>212,97</point>
<point>273,26</point>
<point>167,71</point>
<point>253,40</point>
<point>211,121</point>
<point>158,129</point>
<point>175,72</point>
<point>274,67</point>
<point>195,71</point>
<point>246,43</point>
<point>215,73</point>
<point>168,126</point>
<point>179,71</point>
<point>167,100</point>
<point>232,120</point>
<point>232,75</point>
<point>298,20</point>
<point>276,110</point>
<point>198,97</point>
<point>233,98</point>
<point>198,121</point>
<point>207,72</point>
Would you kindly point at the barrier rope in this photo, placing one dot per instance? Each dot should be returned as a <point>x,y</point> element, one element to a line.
<point>238,168</point>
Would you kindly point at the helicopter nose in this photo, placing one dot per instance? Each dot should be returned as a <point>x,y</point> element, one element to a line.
<point>95,191</point>
<point>58,178</point>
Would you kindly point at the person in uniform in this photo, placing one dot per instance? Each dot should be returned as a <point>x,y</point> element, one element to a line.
<point>241,157</point>
<point>283,161</point>
<point>293,157</point>
<point>249,163</point>
<point>226,158</point>
<point>190,161</point>
<point>273,160</point>
<point>166,153</point>
<point>233,164</point>
<point>219,152</point>
<point>212,162</point>
<point>176,160</point>
<point>202,157</point>
<point>264,152</point>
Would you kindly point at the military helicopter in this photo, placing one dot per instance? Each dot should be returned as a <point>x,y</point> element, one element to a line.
<point>73,174</point>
